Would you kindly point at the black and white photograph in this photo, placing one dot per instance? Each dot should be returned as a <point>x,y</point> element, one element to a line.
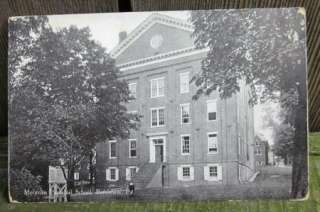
<point>158,106</point>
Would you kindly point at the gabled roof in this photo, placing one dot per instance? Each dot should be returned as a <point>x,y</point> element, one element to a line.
<point>145,25</point>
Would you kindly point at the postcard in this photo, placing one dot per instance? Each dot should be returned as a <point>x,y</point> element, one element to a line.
<point>158,106</point>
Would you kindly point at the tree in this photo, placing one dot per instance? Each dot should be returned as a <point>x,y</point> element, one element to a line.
<point>283,132</point>
<point>283,145</point>
<point>68,93</point>
<point>24,165</point>
<point>266,49</point>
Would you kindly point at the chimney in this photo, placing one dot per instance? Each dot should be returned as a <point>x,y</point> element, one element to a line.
<point>122,36</point>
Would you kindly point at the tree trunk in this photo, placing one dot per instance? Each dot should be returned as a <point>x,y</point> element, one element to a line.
<point>70,181</point>
<point>300,159</point>
<point>91,171</point>
<point>286,159</point>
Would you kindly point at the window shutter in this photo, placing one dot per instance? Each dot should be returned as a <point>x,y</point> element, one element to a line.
<point>180,173</point>
<point>219,172</point>
<point>117,174</point>
<point>206,172</point>
<point>107,174</point>
<point>128,177</point>
<point>191,173</point>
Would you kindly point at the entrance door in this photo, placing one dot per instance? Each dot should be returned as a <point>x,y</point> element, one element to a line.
<point>159,153</point>
<point>157,149</point>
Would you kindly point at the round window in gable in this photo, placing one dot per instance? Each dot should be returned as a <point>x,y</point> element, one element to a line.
<point>156,41</point>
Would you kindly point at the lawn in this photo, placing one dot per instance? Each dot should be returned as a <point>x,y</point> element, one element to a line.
<point>272,182</point>
<point>310,205</point>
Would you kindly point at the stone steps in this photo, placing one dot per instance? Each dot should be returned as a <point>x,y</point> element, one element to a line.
<point>145,175</point>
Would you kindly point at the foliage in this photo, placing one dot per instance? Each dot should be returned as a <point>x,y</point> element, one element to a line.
<point>65,95</point>
<point>266,49</point>
<point>24,181</point>
<point>252,45</point>
<point>311,204</point>
<point>283,145</point>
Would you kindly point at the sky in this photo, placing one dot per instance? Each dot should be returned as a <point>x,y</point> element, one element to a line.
<point>105,28</point>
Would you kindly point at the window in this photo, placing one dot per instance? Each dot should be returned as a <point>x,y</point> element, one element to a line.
<point>157,87</point>
<point>112,149</point>
<point>130,172</point>
<point>157,117</point>
<point>158,141</point>
<point>213,172</point>
<point>132,148</point>
<point>258,151</point>
<point>161,117</point>
<point>112,174</point>
<point>76,175</point>
<point>212,110</point>
<point>185,113</point>
<point>212,143</point>
<point>185,173</point>
<point>133,114</point>
<point>184,82</point>
<point>185,144</point>
<point>133,90</point>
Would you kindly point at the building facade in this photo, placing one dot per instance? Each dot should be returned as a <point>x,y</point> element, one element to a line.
<point>180,141</point>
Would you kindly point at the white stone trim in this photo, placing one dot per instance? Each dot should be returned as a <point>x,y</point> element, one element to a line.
<point>181,144</point>
<point>216,109</point>
<point>157,109</point>
<point>153,80</point>
<point>110,142</point>
<point>206,172</point>
<point>212,153</point>
<point>180,173</point>
<point>152,149</point>
<point>128,176</point>
<point>181,118</point>
<point>181,75</point>
<point>157,134</point>
<point>129,142</point>
<point>173,55</point>
<point>108,174</point>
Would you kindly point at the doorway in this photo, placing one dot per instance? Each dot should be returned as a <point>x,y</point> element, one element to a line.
<point>157,150</point>
<point>159,153</point>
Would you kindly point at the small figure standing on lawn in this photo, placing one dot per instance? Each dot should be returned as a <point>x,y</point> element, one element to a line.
<point>131,188</point>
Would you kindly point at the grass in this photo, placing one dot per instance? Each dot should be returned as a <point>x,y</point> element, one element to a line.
<point>310,205</point>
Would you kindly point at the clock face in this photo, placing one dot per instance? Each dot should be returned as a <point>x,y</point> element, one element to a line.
<point>156,41</point>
